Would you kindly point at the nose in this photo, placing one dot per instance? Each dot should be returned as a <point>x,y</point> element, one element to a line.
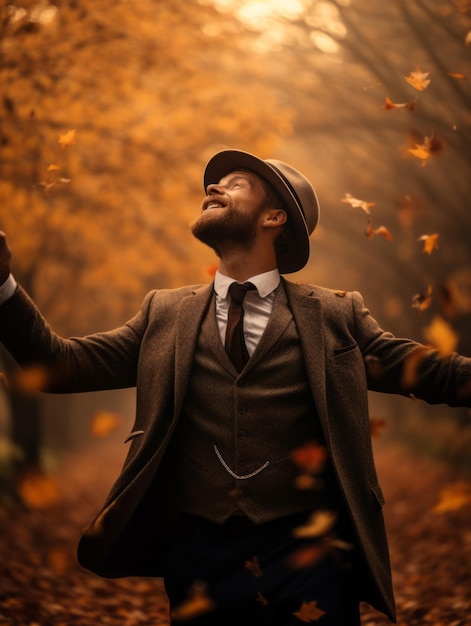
<point>214,189</point>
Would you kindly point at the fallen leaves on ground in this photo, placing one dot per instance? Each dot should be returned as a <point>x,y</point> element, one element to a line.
<point>41,582</point>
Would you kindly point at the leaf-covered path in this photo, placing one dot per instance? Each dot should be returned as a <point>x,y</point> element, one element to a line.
<point>428,514</point>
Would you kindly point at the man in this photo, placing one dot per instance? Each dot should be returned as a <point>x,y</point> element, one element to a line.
<point>249,484</point>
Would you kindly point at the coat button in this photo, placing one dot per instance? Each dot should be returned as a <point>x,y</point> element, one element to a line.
<point>242,434</point>
<point>242,460</point>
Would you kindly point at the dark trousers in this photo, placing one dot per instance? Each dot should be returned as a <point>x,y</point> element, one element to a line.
<point>243,574</point>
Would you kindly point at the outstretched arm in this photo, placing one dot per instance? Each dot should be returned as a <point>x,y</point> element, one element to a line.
<point>97,362</point>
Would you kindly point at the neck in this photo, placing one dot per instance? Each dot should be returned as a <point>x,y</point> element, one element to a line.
<point>242,266</point>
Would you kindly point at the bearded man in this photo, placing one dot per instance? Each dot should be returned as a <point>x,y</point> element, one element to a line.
<point>238,382</point>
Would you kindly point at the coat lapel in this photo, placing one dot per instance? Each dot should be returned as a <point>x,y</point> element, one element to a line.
<point>307,312</point>
<point>190,313</point>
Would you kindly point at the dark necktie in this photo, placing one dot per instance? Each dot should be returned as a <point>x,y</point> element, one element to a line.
<point>234,341</point>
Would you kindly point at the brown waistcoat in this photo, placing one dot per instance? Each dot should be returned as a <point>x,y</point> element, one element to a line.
<point>236,442</point>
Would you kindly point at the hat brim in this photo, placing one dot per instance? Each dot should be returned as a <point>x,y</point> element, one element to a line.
<point>228,161</point>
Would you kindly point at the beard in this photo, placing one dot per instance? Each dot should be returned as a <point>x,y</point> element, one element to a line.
<point>218,228</point>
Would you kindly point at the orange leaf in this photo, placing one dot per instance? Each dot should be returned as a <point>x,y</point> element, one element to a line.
<point>198,603</point>
<point>411,367</point>
<point>309,612</point>
<point>67,139</point>
<point>453,498</point>
<point>456,75</point>
<point>370,232</point>
<point>254,566</point>
<point>418,79</point>
<point>37,490</point>
<point>356,203</point>
<point>422,302</point>
<point>104,422</point>
<point>377,425</point>
<point>307,556</point>
<point>430,242</point>
<point>310,457</point>
<point>389,104</point>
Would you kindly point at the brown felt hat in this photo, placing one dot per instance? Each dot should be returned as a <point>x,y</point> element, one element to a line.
<point>298,195</point>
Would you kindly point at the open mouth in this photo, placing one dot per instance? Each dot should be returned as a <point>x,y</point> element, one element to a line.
<point>213,204</point>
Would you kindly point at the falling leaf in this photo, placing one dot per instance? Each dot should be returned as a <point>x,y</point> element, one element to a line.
<point>431,147</point>
<point>356,203</point>
<point>421,301</point>
<point>307,556</point>
<point>453,498</point>
<point>318,524</point>
<point>306,481</point>
<point>410,370</point>
<point>382,231</point>
<point>310,457</point>
<point>374,366</point>
<point>408,208</point>
<point>261,599</point>
<point>389,104</point>
<point>53,168</point>
<point>309,612</point>
<point>441,335</point>
<point>67,139</point>
<point>253,566</point>
<point>198,603</point>
<point>377,425</point>
<point>418,79</point>
<point>37,490</point>
<point>30,380</point>
<point>430,242</point>
<point>467,40</point>
<point>104,423</point>
<point>212,269</point>
<point>457,75</point>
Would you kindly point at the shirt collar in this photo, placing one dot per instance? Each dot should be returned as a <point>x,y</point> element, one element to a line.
<point>265,283</point>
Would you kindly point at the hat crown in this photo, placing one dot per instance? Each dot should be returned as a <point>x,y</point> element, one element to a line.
<point>302,190</point>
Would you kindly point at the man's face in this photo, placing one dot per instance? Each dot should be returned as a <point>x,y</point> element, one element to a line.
<point>230,211</point>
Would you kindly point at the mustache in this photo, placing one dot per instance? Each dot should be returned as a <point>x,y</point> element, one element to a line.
<point>214,199</point>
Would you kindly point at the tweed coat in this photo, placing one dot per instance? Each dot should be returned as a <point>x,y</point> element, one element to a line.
<point>154,350</point>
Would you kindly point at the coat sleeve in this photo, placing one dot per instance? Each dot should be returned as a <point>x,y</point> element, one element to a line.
<point>97,362</point>
<point>403,366</point>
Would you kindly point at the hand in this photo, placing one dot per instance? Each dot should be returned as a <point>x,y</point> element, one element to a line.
<point>5,258</point>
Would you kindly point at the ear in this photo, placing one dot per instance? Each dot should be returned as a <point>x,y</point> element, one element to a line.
<point>274,218</point>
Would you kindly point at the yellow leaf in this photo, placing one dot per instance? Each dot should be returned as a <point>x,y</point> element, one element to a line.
<point>356,203</point>
<point>318,524</point>
<point>430,242</point>
<point>67,139</point>
<point>418,79</point>
<point>454,497</point>
<point>441,335</point>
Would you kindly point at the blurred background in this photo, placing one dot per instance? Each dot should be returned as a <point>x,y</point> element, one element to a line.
<point>109,111</point>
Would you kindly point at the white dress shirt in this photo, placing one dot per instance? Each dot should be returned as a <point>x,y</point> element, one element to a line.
<point>258,305</point>
<point>7,289</point>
